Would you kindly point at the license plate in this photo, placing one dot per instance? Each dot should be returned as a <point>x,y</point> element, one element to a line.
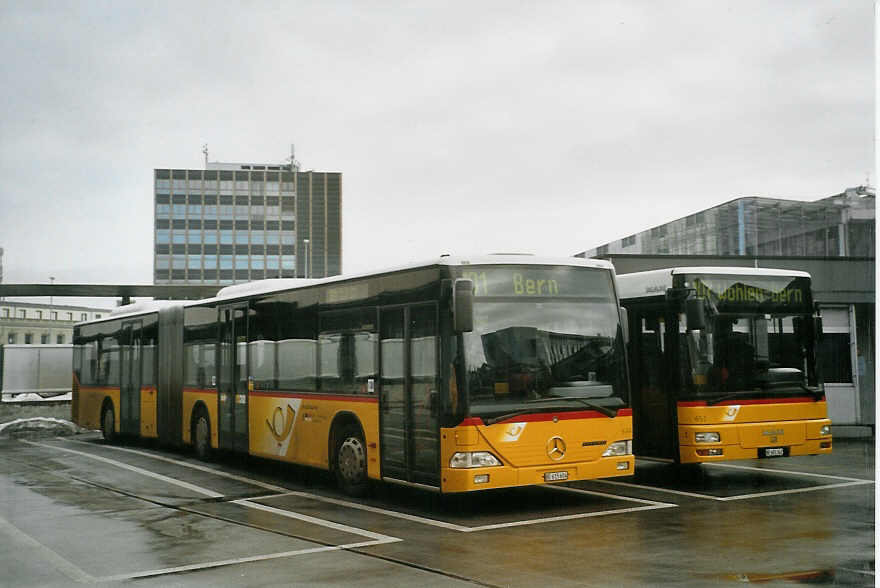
<point>555,476</point>
<point>774,451</point>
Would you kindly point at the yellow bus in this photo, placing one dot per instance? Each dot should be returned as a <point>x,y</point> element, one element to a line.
<point>723,364</point>
<point>455,375</point>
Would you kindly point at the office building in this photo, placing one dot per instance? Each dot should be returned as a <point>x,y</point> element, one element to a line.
<point>832,238</point>
<point>239,222</point>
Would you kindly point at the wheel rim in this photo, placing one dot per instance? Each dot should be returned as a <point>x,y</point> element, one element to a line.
<point>201,434</point>
<point>352,460</point>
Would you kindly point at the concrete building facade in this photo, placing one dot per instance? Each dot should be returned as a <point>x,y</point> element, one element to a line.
<point>29,323</point>
<point>238,222</point>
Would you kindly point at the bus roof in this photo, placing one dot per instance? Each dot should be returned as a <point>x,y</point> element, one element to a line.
<point>273,285</point>
<point>656,282</point>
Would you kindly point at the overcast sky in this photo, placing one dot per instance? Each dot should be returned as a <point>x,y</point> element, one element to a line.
<point>461,127</point>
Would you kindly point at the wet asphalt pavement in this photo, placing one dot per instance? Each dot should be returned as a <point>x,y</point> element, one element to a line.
<point>76,511</point>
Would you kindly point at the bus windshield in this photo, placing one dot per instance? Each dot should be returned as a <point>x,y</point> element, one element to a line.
<point>755,340</point>
<point>544,339</point>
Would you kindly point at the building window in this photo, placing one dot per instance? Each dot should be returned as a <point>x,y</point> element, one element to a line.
<point>60,339</point>
<point>70,316</point>
<point>28,338</point>
<point>97,316</point>
<point>5,313</point>
<point>39,314</point>
<point>22,313</point>
<point>11,338</point>
<point>84,317</point>
<point>659,231</point>
<point>54,315</point>
<point>44,339</point>
<point>628,241</point>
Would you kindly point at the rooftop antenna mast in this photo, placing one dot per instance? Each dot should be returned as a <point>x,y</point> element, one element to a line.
<point>294,164</point>
<point>1,268</point>
<point>205,151</point>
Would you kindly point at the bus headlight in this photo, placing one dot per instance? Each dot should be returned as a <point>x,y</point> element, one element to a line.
<point>825,430</point>
<point>707,437</point>
<point>473,459</point>
<point>619,448</point>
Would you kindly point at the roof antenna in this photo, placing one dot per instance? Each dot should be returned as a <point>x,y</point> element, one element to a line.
<point>205,151</point>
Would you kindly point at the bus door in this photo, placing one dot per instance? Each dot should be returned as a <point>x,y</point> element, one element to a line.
<point>654,404</point>
<point>409,401</point>
<point>232,384</point>
<point>130,381</point>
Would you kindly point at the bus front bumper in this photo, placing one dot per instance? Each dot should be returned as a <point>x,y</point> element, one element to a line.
<point>471,479</point>
<point>754,440</point>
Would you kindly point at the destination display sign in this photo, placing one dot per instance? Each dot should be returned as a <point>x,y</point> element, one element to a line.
<point>536,281</point>
<point>759,294</point>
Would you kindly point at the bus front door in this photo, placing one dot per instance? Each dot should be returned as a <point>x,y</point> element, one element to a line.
<point>130,380</point>
<point>232,384</point>
<point>409,401</point>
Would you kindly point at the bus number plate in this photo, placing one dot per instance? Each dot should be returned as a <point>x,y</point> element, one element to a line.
<point>555,476</point>
<point>774,451</point>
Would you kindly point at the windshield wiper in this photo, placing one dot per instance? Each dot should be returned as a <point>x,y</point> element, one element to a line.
<point>609,412</point>
<point>816,394</point>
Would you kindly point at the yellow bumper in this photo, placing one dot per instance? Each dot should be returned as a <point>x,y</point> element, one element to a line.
<point>745,440</point>
<point>463,480</point>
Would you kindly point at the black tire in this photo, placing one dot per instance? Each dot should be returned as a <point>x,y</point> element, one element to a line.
<point>201,435</point>
<point>350,461</point>
<point>108,423</point>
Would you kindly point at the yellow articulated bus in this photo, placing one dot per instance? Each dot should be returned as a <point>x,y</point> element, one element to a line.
<point>723,364</point>
<point>453,375</point>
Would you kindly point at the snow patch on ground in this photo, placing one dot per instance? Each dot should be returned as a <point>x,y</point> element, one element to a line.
<point>38,427</point>
<point>35,397</point>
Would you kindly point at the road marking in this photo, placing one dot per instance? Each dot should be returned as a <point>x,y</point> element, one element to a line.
<point>194,466</point>
<point>650,505</point>
<point>866,572</point>
<point>656,489</point>
<point>391,513</point>
<point>739,496</point>
<point>315,521</point>
<point>570,517</point>
<point>58,562</point>
<point>612,496</point>
<point>243,502</point>
<point>375,538</point>
<point>238,560</point>
<point>789,472</point>
<point>131,468</point>
<point>794,490</point>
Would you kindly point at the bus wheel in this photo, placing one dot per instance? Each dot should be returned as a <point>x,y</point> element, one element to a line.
<point>201,436</point>
<point>351,462</point>
<point>108,424</point>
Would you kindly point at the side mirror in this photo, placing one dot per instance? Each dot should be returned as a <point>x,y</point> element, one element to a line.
<point>624,325</point>
<point>463,305</point>
<point>695,314</point>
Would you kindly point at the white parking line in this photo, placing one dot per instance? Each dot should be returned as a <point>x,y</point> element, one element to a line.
<point>330,524</point>
<point>131,468</point>
<point>788,472</point>
<point>847,482</point>
<point>657,489</point>
<point>649,504</point>
<point>237,560</point>
<point>187,464</point>
<point>794,490</point>
<point>35,547</point>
